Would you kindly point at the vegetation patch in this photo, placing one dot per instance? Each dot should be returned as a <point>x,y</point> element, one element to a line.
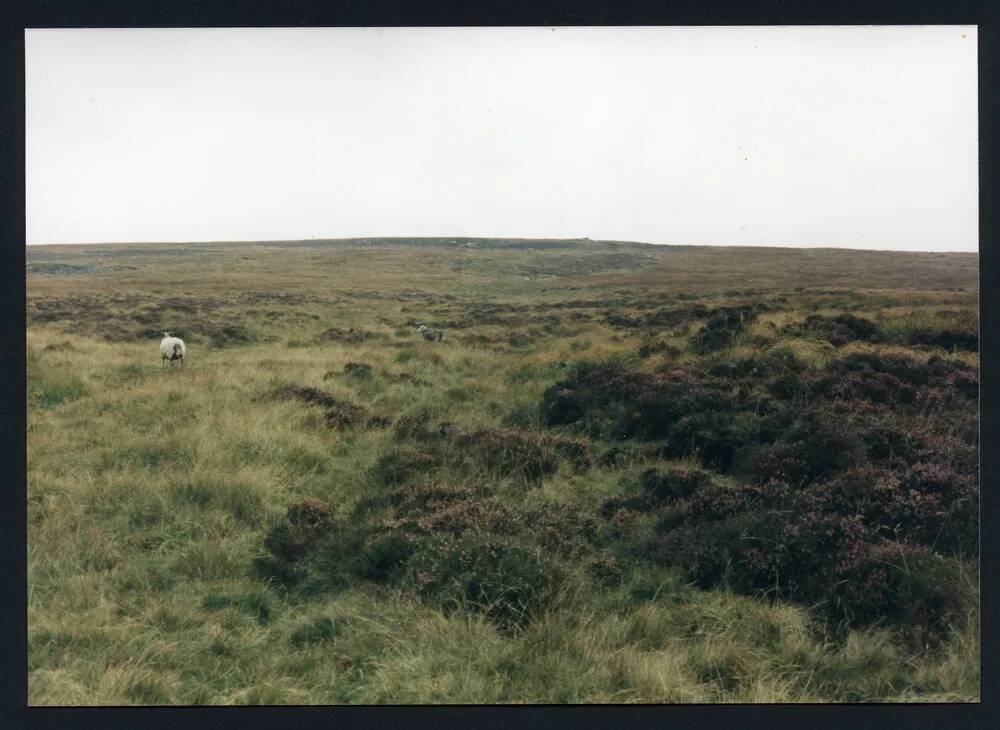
<point>493,453</point>
<point>838,330</point>
<point>835,476</point>
<point>454,548</point>
<point>349,336</point>
<point>338,413</point>
<point>724,326</point>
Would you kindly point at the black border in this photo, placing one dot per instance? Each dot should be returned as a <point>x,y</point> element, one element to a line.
<point>15,17</point>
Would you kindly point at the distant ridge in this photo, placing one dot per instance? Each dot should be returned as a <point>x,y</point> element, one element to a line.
<point>472,242</point>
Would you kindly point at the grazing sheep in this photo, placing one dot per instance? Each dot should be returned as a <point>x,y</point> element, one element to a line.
<point>429,334</point>
<point>171,348</point>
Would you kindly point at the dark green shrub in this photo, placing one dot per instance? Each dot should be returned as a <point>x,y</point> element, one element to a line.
<point>815,445</point>
<point>905,585</point>
<point>495,452</point>
<point>763,551</point>
<point>936,506</point>
<point>716,501</point>
<point>965,382</point>
<point>560,529</point>
<point>838,330</point>
<point>714,438</point>
<point>290,542</point>
<point>507,452</point>
<point>871,386</point>
<point>384,558</point>
<point>724,325</point>
<point>310,538</point>
<point>507,582</point>
<point>949,339</point>
<point>935,372</point>
<point>562,405</point>
<point>611,400</point>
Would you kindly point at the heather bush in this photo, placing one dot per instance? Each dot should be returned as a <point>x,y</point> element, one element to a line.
<point>561,529</point>
<point>938,507</point>
<point>613,401</point>
<point>724,325</point>
<point>934,372</point>
<point>815,445</point>
<point>501,453</point>
<point>827,560</point>
<point>457,548</point>
<point>508,582</point>
<point>837,330</point>
<point>949,339</point>
<point>506,452</point>
<point>965,382</point>
<point>771,364</point>
<point>289,543</point>
<point>469,515</point>
<point>717,501</point>
<point>421,497</point>
<point>904,585</point>
<point>384,557</point>
<point>714,438</point>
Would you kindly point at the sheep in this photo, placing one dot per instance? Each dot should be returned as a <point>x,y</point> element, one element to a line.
<point>429,334</point>
<point>171,348</point>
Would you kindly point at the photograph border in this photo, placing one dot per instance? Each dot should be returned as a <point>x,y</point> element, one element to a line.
<point>291,13</point>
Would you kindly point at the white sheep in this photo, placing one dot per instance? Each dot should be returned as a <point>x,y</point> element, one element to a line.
<point>171,348</point>
<point>429,334</point>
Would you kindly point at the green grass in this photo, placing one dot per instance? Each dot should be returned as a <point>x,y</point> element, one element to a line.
<point>151,489</point>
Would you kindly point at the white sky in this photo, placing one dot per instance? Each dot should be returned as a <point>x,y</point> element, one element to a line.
<point>822,136</point>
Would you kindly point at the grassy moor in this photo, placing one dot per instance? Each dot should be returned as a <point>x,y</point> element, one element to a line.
<point>627,473</point>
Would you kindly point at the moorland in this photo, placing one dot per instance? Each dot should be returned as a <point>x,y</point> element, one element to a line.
<point>628,473</point>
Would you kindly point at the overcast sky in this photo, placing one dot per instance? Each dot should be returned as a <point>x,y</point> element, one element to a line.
<point>855,137</point>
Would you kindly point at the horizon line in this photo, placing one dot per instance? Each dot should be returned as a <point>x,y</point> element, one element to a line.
<point>824,247</point>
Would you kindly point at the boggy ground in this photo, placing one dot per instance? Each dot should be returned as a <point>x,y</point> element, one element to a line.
<point>627,474</point>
